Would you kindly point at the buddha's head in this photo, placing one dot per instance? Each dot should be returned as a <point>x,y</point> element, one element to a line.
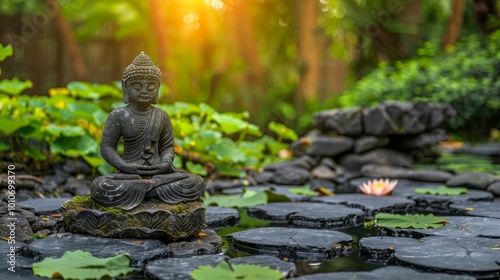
<point>141,81</point>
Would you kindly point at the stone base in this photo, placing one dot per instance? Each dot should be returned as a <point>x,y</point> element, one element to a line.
<point>156,220</point>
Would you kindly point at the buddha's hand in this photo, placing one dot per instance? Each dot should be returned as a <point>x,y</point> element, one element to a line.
<point>160,168</point>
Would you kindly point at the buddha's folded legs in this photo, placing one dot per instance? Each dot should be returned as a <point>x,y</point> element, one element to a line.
<point>127,192</point>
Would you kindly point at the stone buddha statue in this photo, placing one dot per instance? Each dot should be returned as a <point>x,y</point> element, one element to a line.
<point>145,169</point>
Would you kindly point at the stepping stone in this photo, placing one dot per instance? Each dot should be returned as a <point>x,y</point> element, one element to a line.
<point>440,203</point>
<point>457,227</point>
<point>478,209</point>
<point>22,269</point>
<point>370,205</point>
<point>221,217</point>
<point>287,268</point>
<point>179,268</point>
<point>309,215</point>
<point>281,190</point>
<point>140,250</point>
<point>206,243</point>
<point>385,273</point>
<point>292,244</point>
<point>46,205</point>
<point>472,256</point>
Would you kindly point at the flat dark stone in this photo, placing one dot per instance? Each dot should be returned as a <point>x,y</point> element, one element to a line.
<point>472,256</point>
<point>489,150</point>
<point>179,268</point>
<point>46,205</point>
<point>291,176</point>
<point>322,145</point>
<point>385,273</point>
<point>380,155</point>
<point>439,203</point>
<point>22,269</point>
<point>370,205</point>
<point>305,162</point>
<point>293,244</point>
<point>475,180</point>
<point>141,250</point>
<point>221,217</point>
<point>340,121</point>
<point>206,243</point>
<point>478,209</point>
<point>367,142</point>
<point>384,171</point>
<point>287,268</point>
<point>308,215</point>
<point>457,226</point>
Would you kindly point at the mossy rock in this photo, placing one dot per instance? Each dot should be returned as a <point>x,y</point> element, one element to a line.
<point>151,219</point>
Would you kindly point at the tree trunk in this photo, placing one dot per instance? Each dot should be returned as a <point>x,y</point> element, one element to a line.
<point>246,43</point>
<point>309,52</point>
<point>483,9</point>
<point>158,21</point>
<point>66,35</point>
<point>454,23</point>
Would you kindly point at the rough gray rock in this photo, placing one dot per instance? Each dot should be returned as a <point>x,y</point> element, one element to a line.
<point>14,224</point>
<point>494,188</point>
<point>385,273</point>
<point>420,141</point>
<point>478,209</point>
<point>293,244</point>
<point>468,256</point>
<point>179,268</point>
<point>385,171</point>
<point>309,215</point>
<point>380,156</point>
<point>371,205</point>
<point>305,162</point>
<point>291,176</point>
<point>46,205</point>
<point>340,121</point>
<point>475,180</point>
<point>322,145</point>
<point>206,243</point>
<point>221,217</point>
<point>368,142</point>
<point>324,172</point>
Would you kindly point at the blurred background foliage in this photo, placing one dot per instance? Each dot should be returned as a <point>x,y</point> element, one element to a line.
<point>270,60</point>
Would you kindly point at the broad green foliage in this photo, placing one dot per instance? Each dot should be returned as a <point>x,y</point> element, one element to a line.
<point>249,198</point>
<point>305,190</point>
<point>442,190</point>
<point>71,121</point>
<point>418,221</point>
<point>82,265</point>
<point>224,270</point>
<point>459,163</point>
<point>465,77</point>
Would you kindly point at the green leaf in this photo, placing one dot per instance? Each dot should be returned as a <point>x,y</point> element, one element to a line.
<point>82,265</point>
<point>442,190</point>
<point>305,190</point>
<point>83,89</point>
<point>5,52</point>
<point>10,126</point>
<point>226,150</point>
<point>282,131</point>
<point>74,146</point>
<point>224,270</point>
<point>419,221</point>
<point>196,168</point>
<point>230,170</point>
<point>14,86</point>
<point>105,168</point>
<point>34,153</point>
<point>69,131</point>
<point>249,198</point>
<point>230,124</point>
<point>93,161</point>
<point>4,147</point>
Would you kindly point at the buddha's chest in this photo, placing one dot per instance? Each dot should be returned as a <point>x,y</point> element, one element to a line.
<point>135,125</point>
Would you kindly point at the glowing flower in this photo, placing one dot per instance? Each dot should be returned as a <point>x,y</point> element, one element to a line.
<point>378,187</point>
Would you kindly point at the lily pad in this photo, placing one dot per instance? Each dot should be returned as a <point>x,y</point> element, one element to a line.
<point>418,221</point>
<point>239,271</point>
<point>82,265</point>
<point>305,190</point>
<point>249,198</point>
<point>442,190</point>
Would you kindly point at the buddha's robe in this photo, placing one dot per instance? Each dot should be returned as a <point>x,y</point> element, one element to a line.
<point>148,139</point>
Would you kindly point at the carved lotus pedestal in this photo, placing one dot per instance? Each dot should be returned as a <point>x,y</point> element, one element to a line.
<point>156,220</point>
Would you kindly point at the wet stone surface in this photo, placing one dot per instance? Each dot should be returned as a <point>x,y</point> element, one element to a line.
<point>309,215</point>
<point>221,217</point>
<point>472,256</point>
<point>371,205</point>
<point>22,269</point>
<point>179,268</point>
<point>457,227</point>
<point>45,206</point>
<point>479,209</point>
<point>206,243</point>
<point>293,244</point>
<point>385,273</point>
<point>440,203</point>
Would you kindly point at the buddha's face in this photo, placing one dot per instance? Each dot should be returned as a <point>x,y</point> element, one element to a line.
<point>142,91</point>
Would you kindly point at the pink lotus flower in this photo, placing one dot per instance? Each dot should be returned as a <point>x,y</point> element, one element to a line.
<point>378,187</point>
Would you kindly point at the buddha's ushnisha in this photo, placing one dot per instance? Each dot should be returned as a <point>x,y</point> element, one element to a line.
<point>146,169</point>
